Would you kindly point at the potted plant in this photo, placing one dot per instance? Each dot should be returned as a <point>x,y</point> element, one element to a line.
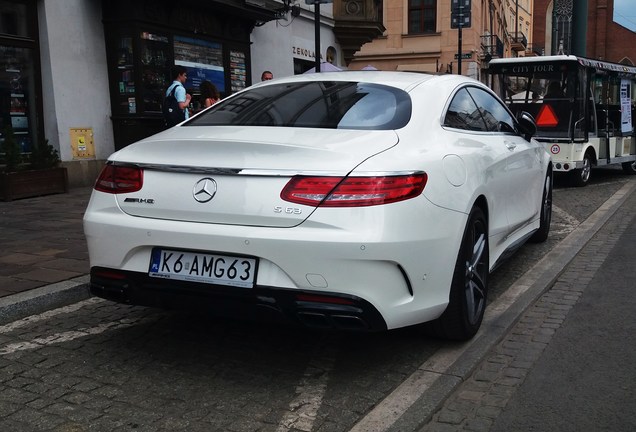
<point>40,174</point>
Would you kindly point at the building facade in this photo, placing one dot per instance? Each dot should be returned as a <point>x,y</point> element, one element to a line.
<point>556,26</point>
<point>421,36</point>
<point>90,76</point>
<point>292,36</point>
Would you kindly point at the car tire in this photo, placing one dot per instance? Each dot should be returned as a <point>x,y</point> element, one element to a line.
<point>545,218</point>
<point>629,167</point>
<point>581,176</point>
<point>467,300</point>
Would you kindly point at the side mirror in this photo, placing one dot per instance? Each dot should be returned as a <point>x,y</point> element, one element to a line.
<point>527,125</point>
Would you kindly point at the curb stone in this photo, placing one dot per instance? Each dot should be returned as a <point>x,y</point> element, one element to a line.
<point>42,299</point>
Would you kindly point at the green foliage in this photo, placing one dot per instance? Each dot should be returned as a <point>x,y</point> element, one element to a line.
<point>44,155</point>
<point>11,150</point>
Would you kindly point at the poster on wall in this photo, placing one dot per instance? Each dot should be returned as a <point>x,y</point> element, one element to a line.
<point>238,70</point>
<point>203,59</point>
<point>626,106</point>
<point>15,71</point>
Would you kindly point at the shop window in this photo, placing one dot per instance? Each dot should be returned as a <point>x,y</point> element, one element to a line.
<point>13,19</point>
<point>204,61</point>
<point>125,76</point>
<point>141,57</point>
<point>155,70</point>
<point>17,94</point>
<point>141,80</point>
<point>18,81</point>
<point>301,66</point>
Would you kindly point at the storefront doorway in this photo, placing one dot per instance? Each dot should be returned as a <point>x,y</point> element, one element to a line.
<point>144,40</point>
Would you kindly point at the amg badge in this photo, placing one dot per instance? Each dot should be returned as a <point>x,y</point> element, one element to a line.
<point>140,200</point>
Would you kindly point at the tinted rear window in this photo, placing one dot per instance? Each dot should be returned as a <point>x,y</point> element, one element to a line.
<point>325,104</point>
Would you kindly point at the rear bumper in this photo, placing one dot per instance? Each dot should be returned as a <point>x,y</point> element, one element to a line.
<point>322,310</point>
<point>388,256</point>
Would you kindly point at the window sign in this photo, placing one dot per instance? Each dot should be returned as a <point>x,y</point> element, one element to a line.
<point>238,70</point>
<point>17,100</point>
<point>203,59</point>
<point>626,106</point>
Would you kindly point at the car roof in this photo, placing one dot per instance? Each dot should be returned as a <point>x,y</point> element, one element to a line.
<point>400,79</point>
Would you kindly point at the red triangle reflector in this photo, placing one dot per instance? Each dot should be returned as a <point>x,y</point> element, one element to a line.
<point>547,117</point>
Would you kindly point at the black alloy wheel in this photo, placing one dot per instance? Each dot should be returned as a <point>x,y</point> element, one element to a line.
<point>541,234</point>
<point>467,303</point>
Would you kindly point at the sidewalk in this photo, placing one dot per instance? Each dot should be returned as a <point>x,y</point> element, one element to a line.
<point>568,364</point>
<point>42,242</point>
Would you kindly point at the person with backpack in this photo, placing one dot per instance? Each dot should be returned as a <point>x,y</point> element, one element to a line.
<point>177,99</point>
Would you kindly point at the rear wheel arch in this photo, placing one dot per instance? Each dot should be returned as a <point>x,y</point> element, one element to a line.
<point>545,211</point>
<point>581,176</point>
<point>469,287</point>
<point>591,154</point>
<point>482,203</point>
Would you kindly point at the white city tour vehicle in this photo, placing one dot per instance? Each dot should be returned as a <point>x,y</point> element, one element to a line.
<point>583,108</point>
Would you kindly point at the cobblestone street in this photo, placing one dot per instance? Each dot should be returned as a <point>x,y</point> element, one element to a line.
<point>101,366</point>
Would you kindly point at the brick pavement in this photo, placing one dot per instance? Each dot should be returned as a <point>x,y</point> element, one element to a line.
<point>25,223</point>
<point>477,403</point>
<point>42,241</point>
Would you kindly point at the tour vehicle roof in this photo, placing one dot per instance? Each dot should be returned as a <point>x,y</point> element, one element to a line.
<point>496,65</point>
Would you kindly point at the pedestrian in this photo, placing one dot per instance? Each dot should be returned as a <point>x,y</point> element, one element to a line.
<point>267,75</point>
<point>175,107</point>
<point>209,94</point>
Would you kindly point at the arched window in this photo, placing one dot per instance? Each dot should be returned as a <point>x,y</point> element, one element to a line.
<point>563,13</point>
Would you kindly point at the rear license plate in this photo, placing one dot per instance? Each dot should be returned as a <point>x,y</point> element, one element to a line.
<point>203,267</point>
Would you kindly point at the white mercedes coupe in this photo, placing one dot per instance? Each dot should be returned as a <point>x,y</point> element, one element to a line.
<point>362,200</point>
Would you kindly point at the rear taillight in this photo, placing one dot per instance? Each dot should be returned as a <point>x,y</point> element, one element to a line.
<point>353,191</point>
<point>117,179</point>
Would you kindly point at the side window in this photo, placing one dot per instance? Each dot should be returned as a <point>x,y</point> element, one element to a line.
<point>464,114</point>
<point>496,116</point>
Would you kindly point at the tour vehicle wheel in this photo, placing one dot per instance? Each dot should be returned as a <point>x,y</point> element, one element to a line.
<point>541,234</point>
<point>629,167</point>
<point>467,302</point>
<point>581,176</point>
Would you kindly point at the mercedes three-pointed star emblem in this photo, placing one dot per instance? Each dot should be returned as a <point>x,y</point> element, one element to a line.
<point>204,190</point>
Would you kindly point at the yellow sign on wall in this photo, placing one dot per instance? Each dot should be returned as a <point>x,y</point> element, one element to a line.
<point>82,144</point>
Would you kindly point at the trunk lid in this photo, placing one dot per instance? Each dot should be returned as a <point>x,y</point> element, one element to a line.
<point>238,173</point>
